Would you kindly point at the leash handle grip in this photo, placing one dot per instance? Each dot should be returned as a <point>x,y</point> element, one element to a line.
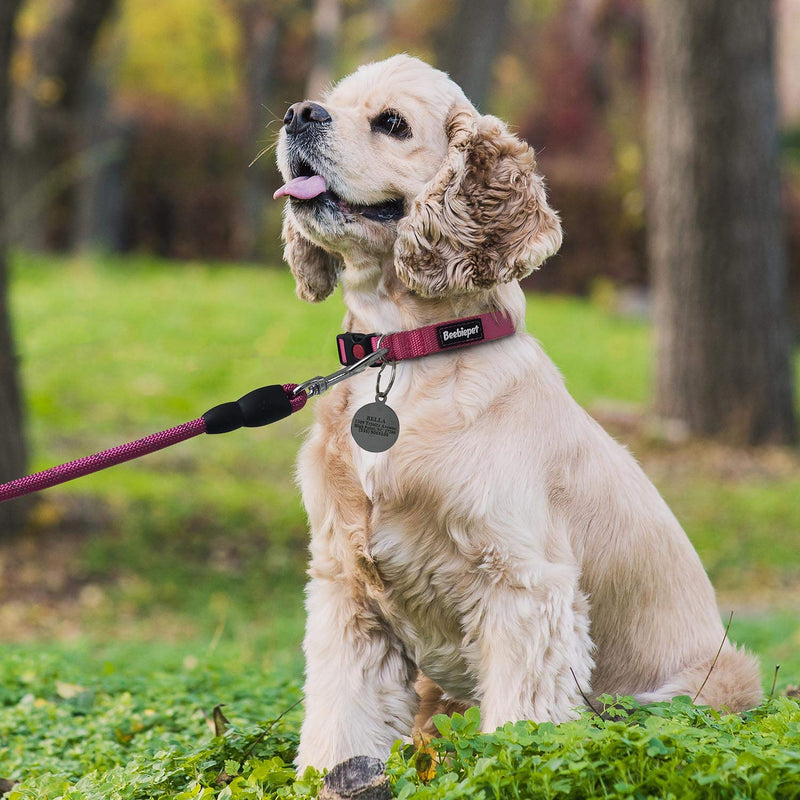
<point>260,407</point>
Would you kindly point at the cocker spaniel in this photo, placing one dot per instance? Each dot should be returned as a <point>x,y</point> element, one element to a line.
<point>506,551</point>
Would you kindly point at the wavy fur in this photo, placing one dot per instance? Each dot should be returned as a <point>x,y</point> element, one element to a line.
<point>315,271</point>
<point>483,219</point>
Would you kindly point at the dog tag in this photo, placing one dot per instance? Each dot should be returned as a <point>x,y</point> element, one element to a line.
<point>375,427</point>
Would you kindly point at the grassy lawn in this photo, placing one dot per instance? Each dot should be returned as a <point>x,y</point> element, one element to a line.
<point>185,568</point>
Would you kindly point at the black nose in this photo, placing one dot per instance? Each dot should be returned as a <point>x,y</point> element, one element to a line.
<point>302,116</point>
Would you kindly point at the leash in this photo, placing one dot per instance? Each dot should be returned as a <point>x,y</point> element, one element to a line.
<point>257,408</point>
<point>375,427</point>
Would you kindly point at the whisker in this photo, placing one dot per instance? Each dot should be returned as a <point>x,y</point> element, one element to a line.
<point>271,146</point>
<point>261,153</point>
<point>275,117</point>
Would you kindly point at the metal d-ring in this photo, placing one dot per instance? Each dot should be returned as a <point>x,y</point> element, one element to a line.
<point>381,395</point>
<point>385,359</point>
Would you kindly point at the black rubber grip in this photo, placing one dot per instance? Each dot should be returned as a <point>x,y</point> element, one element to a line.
<point>259,407</point>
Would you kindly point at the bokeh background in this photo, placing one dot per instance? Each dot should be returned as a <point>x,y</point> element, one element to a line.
<point>142,120</point>
<point>143,283</point>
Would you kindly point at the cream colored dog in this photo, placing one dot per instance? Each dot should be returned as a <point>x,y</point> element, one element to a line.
<point>506,541</point>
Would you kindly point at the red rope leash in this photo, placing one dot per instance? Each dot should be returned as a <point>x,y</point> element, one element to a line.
<point>257,408</point>
<point>106,458</point>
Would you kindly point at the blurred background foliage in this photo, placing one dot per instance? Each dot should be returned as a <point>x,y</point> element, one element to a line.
<point>183,94</point>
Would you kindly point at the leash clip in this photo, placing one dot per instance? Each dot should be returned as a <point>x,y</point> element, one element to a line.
<point>320,384</point>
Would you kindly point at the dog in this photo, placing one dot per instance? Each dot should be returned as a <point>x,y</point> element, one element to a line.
<point>506,552</point>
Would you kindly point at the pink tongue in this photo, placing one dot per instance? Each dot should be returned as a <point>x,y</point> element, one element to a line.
<point>303,188</point>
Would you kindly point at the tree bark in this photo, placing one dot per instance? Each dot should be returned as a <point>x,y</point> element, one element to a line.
<point>99,198</point>
<point>47,119</point>
<point>13,455</point>
<point>473,38</point>
<point>262,30</point>
<point>714,222</point>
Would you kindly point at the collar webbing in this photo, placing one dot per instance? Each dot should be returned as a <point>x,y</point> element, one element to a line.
<point>427,340</point>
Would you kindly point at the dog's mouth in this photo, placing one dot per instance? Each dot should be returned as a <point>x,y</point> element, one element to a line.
<point>307,187</point>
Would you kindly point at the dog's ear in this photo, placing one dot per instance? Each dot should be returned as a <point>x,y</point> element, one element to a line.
<point>484,217</point>
<point>315,270</point>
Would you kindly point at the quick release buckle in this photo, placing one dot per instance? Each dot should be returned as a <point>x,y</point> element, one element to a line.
<point>353,347</point>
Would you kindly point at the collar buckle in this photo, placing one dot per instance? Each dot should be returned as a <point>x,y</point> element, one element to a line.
<point>353,347</point>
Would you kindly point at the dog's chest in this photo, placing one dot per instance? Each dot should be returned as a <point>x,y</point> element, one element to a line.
<point>428,579</point>
<point>425,593</point>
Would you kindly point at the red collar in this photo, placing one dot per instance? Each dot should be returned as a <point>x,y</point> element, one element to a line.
<point>425,341</point>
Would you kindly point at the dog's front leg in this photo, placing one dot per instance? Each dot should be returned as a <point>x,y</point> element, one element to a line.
<point>359,692</point>
<point>530,637</point>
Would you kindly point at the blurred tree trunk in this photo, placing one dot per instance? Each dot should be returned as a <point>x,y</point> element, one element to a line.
<point>13,456</point>
<point>473,38</point>
<point>47,119</point>
<point>326,21</point>
<point>262,31</point>
<point>715,234</point>
<point>104,140</point>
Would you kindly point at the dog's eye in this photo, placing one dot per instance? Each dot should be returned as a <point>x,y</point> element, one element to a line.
<point>393,123</point>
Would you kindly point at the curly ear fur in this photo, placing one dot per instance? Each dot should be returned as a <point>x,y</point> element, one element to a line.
<point>315,270</point>
<point>484,217</point>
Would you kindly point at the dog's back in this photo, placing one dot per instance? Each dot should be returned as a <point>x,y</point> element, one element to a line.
<point>655,622</point>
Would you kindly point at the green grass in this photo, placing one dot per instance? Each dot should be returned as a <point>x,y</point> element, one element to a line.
<point>204,541</point>
<point>186,567</point>
<point>133,734</point>
<point>117,724</point>
<point>747,532</point>
<point>602,356</point>
<point>116,348</point>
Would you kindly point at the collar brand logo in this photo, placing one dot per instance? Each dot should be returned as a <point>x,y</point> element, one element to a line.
<point>456,333</point>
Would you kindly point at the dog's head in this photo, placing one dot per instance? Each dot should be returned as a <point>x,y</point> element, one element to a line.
<point>395,160</point>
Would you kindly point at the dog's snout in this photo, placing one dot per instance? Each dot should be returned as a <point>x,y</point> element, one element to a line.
<point>300,117</point>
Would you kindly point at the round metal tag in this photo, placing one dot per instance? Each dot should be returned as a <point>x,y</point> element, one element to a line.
<point>375,427</point>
